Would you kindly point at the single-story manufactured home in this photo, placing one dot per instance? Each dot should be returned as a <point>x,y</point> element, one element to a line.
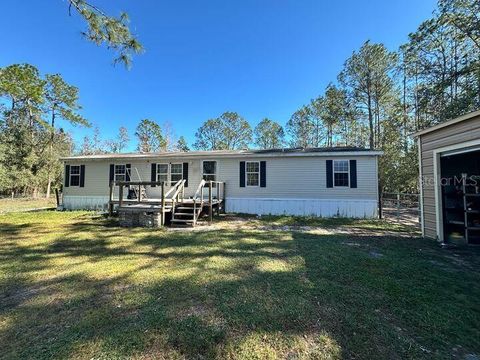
<point>338,181</point>
<point>449,161</point>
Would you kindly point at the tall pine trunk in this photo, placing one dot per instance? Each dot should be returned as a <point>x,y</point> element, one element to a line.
<point>370,122</point>
<point>405,112</point>
<point>49,187</point>
<point>52,138</point>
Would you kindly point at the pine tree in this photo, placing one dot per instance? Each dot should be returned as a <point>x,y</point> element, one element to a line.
<point>150,137</point>
<point>229,131</point>
<point>269,134</point>
<point>182,145</point>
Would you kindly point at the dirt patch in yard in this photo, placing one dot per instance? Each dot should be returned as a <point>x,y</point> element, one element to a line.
<point>242,223</point>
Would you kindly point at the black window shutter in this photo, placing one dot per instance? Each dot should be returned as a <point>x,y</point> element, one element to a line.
<point>67,175</point>
<point>263,174</point>
<point>329,173</point>
<point>153,174</point>
<point>242,173</point>
<point>82,175</point>
<point>128,171</point>
<point>185,173</point>
<point>353,173</point>
<point>112,173</point>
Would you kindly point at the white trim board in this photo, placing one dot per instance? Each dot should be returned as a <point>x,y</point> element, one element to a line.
<point>297,199</point>
<point>447,123</point>
<point>420,185</point>
<point>356,208</point>
<point>461,151</point>
<point>245,155</point>
<point>352,208</point>
<point>79,202</point>
<point>436,176</point>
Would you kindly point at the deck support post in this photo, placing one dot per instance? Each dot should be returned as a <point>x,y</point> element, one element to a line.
<point>217,210</point>
<point>194,212</point>
<point>210,202</point>
<point>139,193</point>
<point>57,197</point>
<point>120,195</point>
<point>223,198</point>
<point>398,207</point>
<point>380,204</point>
<point>110,202</point>
<point>162,220</point>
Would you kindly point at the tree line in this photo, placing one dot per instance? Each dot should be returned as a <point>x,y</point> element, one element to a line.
<point>377,101</point>
<point>229,131</point>
<point>150,137</point>
<point>380,97</point>
<point>30,140</point>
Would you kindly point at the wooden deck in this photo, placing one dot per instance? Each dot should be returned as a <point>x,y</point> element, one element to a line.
<point>157,203</point>
<point>184,211</point>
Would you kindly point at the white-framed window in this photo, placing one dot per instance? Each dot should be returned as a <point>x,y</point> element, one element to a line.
<point>209,170</point>
<point>74,175</point>
<point>252,173</point>
<point>341,173</point>
<point>162,173</point>
<point>176,173</point>
<point>120,172</point>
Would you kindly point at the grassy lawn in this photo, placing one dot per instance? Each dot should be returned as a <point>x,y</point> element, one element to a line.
<point>9,205</point>
<point>74,285</point>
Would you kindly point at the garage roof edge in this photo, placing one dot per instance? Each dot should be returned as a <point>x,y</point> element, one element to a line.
<point>447,123</point>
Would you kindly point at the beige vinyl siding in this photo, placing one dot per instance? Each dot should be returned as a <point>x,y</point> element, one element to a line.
<point>287,177</point>
<point>465,131</point>
<point>96,180</point>
<point>97,176</point>
<point>300,178</point>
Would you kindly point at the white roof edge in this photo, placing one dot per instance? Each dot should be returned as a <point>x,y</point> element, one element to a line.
<point>214,155</point>
<point>447,123</point>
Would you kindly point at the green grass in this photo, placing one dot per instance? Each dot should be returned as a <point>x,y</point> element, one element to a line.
<point>74,285</point>
<point>329,223</point>
<point>11,205</point>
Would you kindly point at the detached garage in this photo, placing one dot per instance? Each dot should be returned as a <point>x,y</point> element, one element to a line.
<point>449,160</point>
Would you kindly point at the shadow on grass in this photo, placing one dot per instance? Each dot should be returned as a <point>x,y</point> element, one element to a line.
<point>396,297</point>
<point>8,230</point>
<point>327,223</point>
<point>97,290</point>
<point>205,313</point>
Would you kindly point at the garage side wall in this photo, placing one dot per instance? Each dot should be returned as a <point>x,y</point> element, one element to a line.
<point>459,133</point>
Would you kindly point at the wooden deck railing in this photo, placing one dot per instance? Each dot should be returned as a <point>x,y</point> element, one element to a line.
<point>122,184</point>
<point>213,186</point>
<point>179,191</point>
<point>198,198</point>
<point>174,196</point>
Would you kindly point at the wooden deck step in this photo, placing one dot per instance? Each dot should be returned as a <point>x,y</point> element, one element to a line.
<point>182,221</point>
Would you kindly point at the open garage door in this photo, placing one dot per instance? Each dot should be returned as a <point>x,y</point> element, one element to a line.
<point>460,184</point>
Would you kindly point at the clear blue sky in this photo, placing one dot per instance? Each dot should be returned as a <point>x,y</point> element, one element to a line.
<point>261,58</point>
